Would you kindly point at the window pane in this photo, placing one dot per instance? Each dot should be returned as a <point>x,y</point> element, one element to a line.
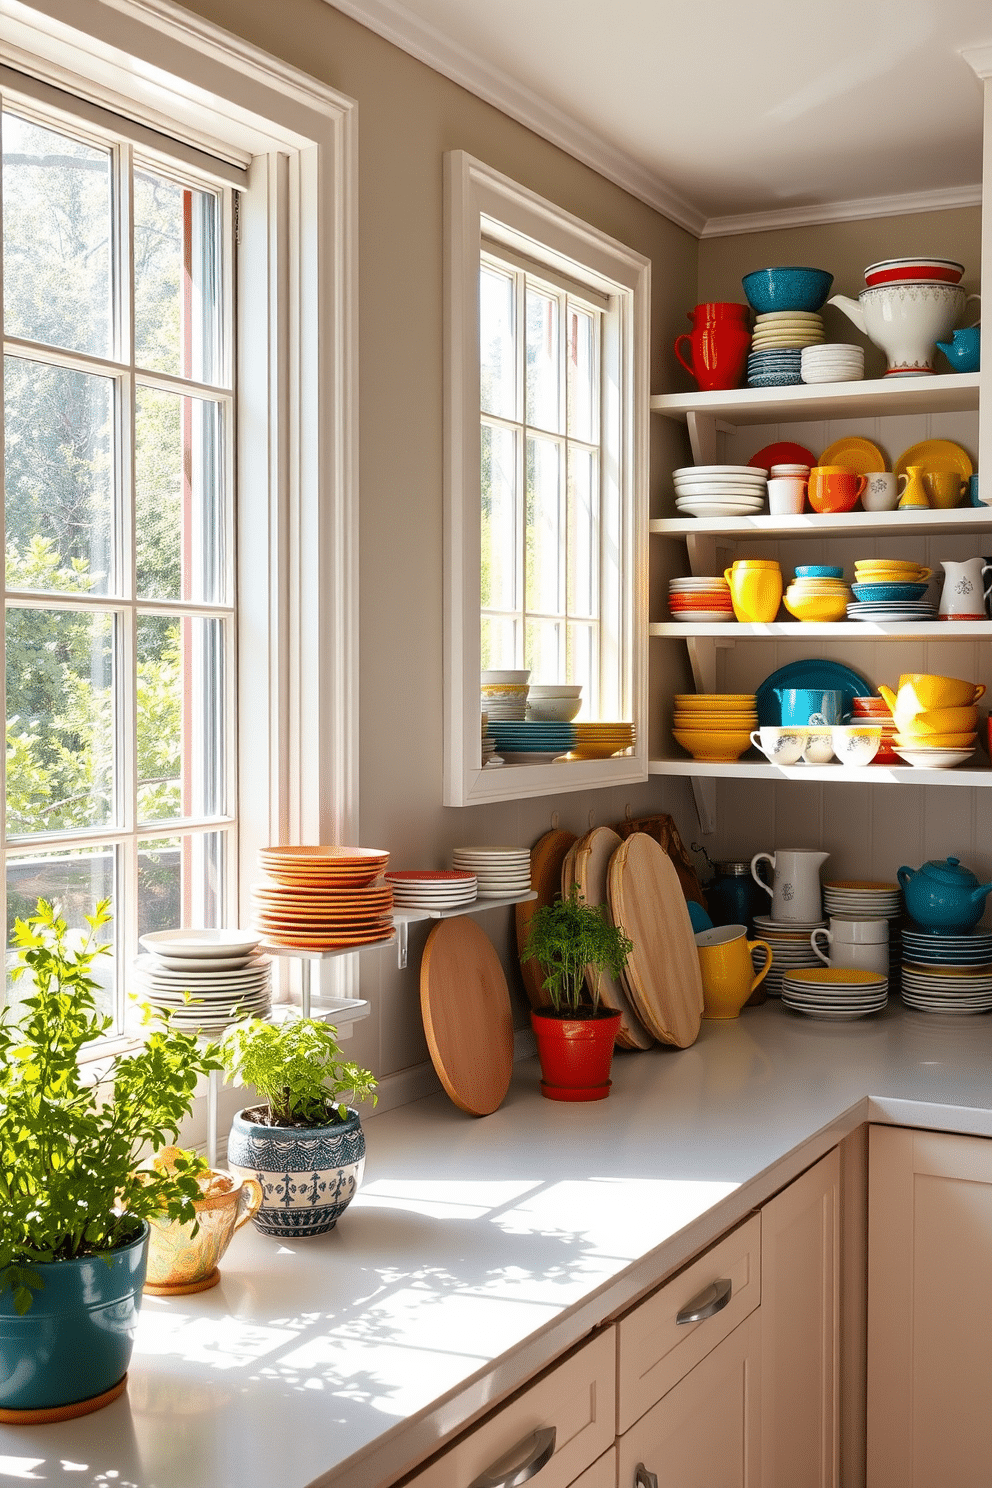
<point>178,497</point>
<point>179,882</point>
<point>499,520</point>
<point>583,534</point>
<point>76,881</point>
<point>60,720</point>
<point>544,526</point>
<point>180,709</point>
<point>543,403</point>
<point>59,477</point>
<point>176,278</point>
<point>581,644</point>
<point>496,343</point>
<point>581,375</point>
<point>56,239</point>
<point>543,651</point>
<point>499,643</point>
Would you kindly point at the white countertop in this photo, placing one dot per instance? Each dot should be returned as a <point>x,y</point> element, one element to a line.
<point>479,1250</point>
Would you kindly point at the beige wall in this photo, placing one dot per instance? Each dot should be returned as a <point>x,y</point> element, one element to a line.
<point>408,117</point>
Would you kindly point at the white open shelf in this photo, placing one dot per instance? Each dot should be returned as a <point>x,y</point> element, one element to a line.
<point>839,630</point>
<point>887,395</point>
<point>834,774</point>
<point>404,917</point>
<point>840,524</point>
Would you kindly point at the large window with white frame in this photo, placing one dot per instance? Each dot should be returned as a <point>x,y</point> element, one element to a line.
<point>119,618</point>
<point>546,472</point>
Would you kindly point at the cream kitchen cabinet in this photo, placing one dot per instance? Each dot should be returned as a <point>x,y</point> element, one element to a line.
<point>929,1310</point>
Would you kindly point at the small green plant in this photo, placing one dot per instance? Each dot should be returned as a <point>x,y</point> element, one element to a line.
<point>569,937</point>
<point>71,1149</point>
<point>297,1068</point>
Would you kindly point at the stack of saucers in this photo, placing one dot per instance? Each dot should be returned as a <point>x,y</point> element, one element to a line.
<point>835,362</point>
<point>947,973</point>
<point>447,888</point>
<point>892,602</point>
<point>720,490</point>
<point>489,755</point>
<point>775,358</point>
<point>204,979</point>
<point>502,872</point>
<point>778,368</point>
<point>697,599</point>
<point>835,993</point>
<point>531,741</point>
<point>504,694</point>
<point>322,898</point>
<point>854,899</point>
<point>715,726</point>
<point>791,948</point>
<point>600,740</point>
<point>877,710</point>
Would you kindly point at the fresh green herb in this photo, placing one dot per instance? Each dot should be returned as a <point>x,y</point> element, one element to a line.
<point>71,1182</point>
<point>570,938</point>
<point>297,1068</point>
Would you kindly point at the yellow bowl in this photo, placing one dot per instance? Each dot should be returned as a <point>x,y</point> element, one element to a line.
<point>721,723</point>
<point>925,692</point>
<point>933,741</point>
<point>718,748</point>
<point>822,607</point>
<point>937,721</point>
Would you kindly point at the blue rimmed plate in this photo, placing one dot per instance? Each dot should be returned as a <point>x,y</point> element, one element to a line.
<point>813,673</point>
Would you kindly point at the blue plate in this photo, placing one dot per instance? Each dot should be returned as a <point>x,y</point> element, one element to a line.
<point>888,593</point>
<point>811,673</point>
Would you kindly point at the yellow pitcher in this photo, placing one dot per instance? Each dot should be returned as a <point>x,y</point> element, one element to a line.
<point>914,492</point>
<point>755,589</point>
<point>727,969</point>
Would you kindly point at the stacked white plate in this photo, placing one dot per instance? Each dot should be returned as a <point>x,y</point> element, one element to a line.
<point>425,889</point>
<point>892,612</point>
<point>502,872</point>
<point>720,490</point>
<point>853,899</point>
<point>204,979</point>
<point>791,949</point>
<point>835,362</point>
<point>835,993</point>
<point>700,598</point>
<point>947,989</point>
<point>489,755</point>
<point>504,694</point>
<point>786,328</point>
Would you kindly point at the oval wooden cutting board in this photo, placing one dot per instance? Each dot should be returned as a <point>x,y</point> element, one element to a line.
<point>546,860</point>
<point>591,868</point>
<point>662,975</point>
<point>467,1019</point>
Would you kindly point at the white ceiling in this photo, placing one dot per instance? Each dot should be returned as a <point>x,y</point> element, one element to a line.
<point>719,108</point>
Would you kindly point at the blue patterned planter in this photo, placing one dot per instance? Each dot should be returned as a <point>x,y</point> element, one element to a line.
<point>308,1176</point>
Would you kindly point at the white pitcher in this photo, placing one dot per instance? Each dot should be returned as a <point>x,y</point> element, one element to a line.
<point>795,891</point>
<point>963,593</point>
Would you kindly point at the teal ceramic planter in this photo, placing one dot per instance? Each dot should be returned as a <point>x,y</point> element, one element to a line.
<point>309,1175</point>
<point>75,1340</point>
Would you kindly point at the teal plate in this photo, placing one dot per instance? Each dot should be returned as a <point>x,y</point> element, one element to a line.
<point>811,673</point>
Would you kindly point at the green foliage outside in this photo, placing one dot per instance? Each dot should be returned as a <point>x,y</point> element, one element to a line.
<point>297,1068</point>
<point>71,1181</point>
<point>569,938</point>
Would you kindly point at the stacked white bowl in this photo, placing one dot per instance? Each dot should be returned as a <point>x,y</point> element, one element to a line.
<point>833,362</point>
<point>720,490</point>
<point>502,872</point>
<point>504,694</point>
<point>554,702</point>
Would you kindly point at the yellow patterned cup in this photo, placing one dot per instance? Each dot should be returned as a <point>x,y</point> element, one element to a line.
<point>755,590</point>
<point>727,969</point>
<point>178,1260</point>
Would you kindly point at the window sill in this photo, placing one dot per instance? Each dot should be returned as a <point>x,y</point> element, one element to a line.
<point>519,782</point>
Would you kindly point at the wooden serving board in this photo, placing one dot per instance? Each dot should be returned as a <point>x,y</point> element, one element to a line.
<point>545,880</point>
<point>662,976</point>
<point>592,860</point>
<point>466,1006</point>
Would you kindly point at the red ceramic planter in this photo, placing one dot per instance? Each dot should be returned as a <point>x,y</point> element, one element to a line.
<point>575,1054</point>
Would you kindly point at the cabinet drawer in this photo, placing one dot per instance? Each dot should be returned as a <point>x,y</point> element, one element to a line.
<point>655,1350</point>
<point>576,1399</point>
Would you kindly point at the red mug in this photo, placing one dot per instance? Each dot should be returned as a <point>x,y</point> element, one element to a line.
<point>718,310</point>
<point>832,488</point>
<point>718,351</point>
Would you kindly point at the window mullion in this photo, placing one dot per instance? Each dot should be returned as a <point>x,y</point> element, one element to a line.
<point>126,856</point>
<point>520,507</point>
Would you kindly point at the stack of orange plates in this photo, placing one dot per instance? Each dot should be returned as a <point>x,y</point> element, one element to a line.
<point>323,898</point>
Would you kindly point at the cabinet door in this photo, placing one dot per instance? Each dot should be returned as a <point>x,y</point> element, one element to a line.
<point>705,1432</point>
<point>800,1306</point>
<point>929,1310</point>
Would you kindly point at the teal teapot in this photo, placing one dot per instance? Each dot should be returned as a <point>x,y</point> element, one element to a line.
<point>943,895</point>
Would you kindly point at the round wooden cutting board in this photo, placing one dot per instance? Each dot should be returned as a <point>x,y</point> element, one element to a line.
<point>466,1006</point>
<point>592,861</point>
<point>662,975</point>
<point>546,859</point>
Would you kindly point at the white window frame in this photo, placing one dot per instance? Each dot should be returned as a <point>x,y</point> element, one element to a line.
<point>294,142</point>
<point>482,205</point>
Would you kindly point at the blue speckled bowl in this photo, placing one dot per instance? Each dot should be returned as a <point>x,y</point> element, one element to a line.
<point>888,593</point>
<point>768,290</point>
<point>818,571</point>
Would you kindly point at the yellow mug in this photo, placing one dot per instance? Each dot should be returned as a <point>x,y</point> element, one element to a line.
<point>727,969</point>
<point>944,488</point>
<point>755,590</point>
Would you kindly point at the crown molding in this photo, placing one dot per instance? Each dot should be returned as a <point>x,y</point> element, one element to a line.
<point>396,24</point>
<point>979,59</point>
<point>845,211</point>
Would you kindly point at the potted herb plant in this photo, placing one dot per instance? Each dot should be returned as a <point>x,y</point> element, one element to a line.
<point>74,1198</point>
<point>575,943</point>
<point>302,1144</point>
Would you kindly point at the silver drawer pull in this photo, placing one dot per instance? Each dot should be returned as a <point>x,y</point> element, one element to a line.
<point>538,1450</point>
<point>714,1299</point>
<point>643,1478</point>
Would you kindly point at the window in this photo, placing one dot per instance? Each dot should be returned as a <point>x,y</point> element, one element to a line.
<point>127,769</point>
<point>546,392</point>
